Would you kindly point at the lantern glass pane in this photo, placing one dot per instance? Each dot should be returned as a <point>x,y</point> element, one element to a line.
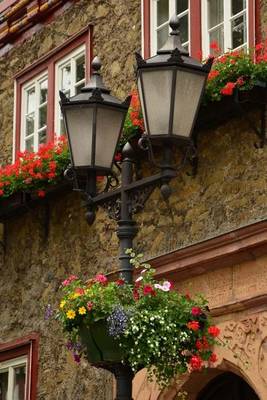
<point>108,123</point>
<point>157,88</point>
<point>79,127</point>
<point>188,90</point>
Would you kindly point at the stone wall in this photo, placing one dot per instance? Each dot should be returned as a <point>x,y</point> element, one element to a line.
<point>45,245</point>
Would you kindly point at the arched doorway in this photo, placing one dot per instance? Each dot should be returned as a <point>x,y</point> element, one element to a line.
<point>227,386</point>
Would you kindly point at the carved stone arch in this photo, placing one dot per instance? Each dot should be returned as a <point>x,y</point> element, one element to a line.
<point>243,352</point>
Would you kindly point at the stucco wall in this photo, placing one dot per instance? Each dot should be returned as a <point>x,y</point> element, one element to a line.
<point>229,191</point>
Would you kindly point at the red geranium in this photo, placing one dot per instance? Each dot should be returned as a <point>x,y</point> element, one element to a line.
<point>196,363</point>
<point>228,89</point>
<point>214,331</point>
<point>120,282</point>
<point>193,325</point>
<point>213,358</point>
<point>148,290</point>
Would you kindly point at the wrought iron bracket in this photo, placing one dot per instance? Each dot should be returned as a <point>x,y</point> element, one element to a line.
<point>137,192</point>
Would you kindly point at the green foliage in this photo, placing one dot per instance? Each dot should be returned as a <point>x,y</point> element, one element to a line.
<point>157,327</point>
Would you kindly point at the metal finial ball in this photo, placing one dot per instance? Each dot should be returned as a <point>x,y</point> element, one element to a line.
<point>127,151</point>
<point>165,191</point>
<point>90,217</point>
<point>174,23</point>
<point>96,64</point>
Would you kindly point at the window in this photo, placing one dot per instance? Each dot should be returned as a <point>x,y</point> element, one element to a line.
<point>232,23</point>
<point>37,114</point>
<point>70,78</point>
<point>13,379</point>
<point>225,22</point>
<point>18,369</point>
<point>162,10</point>
<point>34,113</point>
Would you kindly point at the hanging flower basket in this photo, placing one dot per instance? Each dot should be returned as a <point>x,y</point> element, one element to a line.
<point>147,324</point>
<point>101,348</point>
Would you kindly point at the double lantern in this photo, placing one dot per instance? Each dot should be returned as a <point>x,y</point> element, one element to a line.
<point>170,86</point>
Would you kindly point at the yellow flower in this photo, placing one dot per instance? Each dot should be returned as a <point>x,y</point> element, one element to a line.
<point>71,314</point>
<point>74,296</point>
<point>82,310</point>
<point>62,303</point>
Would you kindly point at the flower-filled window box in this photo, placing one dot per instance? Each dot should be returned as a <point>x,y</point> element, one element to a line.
<point>32,177</point>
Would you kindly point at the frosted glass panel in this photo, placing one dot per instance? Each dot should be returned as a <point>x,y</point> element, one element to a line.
<point>215,12</point>
<point>162,11</point>
<point>188,90</point>
<point>108,128</point>
<point>157,89</point>
<point>79,121</point>
<point>19,383</point>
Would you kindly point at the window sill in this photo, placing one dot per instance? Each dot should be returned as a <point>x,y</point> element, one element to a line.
<point>21,202</point>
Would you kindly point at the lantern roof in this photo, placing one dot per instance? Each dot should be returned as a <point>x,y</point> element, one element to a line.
<point>173,53</point>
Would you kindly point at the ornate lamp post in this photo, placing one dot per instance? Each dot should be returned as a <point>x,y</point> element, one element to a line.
<point>170,87</point>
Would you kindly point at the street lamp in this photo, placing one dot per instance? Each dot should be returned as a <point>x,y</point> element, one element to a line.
<point>170,87</point>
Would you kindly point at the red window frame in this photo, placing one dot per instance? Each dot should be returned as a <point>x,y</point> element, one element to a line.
<point>195,26</point>
<point>27,346</point>
<point>48,63</point>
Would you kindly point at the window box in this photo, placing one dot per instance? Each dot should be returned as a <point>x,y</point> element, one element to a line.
<point>22,202</point>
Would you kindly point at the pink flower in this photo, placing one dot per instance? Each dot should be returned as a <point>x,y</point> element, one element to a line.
<point>89,305</point>
<point>101,279</point>
<point>196,311</point>
<point>70,279</point>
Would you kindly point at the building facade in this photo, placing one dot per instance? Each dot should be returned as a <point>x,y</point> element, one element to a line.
<point>211,237</point>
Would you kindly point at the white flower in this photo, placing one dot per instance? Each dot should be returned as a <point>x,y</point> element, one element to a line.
<point>139,279</point>
<point>165,287</point>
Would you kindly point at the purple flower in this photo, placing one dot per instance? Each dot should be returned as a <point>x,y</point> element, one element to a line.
<point>76,358</point>
<point>48,312</point>
<point>117,321</point>
<point>69,345</point>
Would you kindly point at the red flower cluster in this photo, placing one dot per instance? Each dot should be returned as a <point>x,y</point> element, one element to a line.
<point>193,325</point>
<point>34,171</point>
<point>196,363</point>
<point>261,52</point>
<point>214,331</point>
<point>228,89</point>
<point>135,111</point>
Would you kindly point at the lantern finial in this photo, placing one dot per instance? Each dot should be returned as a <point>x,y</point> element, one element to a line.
<point>174,40</point>
<point>96,64</point>
<point>175,25</point>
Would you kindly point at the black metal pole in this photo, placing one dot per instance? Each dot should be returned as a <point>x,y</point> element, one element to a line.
<point>126,232</point>
<point>124,376</point>
<point>126,226</point>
